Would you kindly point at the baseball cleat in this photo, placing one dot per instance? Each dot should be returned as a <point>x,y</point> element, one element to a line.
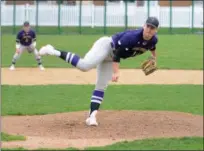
<point>47,50</point>
<point>41,67</point>
<point>91,121</point>
<point>12,67</point>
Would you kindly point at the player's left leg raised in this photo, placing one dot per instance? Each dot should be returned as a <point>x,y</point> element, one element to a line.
<point>100,50</point>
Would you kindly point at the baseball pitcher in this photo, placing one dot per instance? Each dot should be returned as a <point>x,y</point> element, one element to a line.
<point>26,40</point>
<point>106,54</point>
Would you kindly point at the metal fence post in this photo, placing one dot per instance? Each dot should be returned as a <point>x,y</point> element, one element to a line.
<point>92,15</point>
<point>148,8</point>
<point>126,14</point>
<point>36,17</point>
<point>192,17</point>
<point>80,11</point>
<point>14,16</point>
<point>27,11</point>
<point>105,17</point>
<point>171,17</point>
<point>59,16</point>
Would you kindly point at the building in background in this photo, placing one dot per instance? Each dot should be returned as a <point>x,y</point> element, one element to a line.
<point>176,3</point>
<point>101,2</point>
<point>19,2</point>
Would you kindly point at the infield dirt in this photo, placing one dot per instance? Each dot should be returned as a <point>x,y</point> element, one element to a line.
<point>33,76</point>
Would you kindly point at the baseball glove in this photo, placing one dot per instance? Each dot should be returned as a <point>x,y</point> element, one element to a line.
<point>149,66</point>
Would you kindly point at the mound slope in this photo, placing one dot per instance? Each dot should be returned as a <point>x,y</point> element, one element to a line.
<point>69,130</point>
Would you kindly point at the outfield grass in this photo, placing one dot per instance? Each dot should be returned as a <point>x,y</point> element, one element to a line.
<point>29,100</point>
<point>174,51</point>
<point>8,137</point>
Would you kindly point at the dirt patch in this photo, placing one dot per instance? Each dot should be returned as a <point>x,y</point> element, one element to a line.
<point>69,129</point>
<point>33,76</point>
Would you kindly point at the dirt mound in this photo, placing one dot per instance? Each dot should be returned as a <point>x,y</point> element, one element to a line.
<point>33,76</point>
<point>69,129</point>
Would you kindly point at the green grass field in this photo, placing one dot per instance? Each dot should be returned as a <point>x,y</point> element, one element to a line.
<point>8,137</point>
<point>174,51</point>
<point>18,100</point>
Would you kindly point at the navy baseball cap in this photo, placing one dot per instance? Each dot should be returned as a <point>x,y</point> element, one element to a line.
<point>26,23</point>
<point>152,21</point>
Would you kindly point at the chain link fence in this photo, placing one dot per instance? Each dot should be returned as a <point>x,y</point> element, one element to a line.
<point>100,17</point>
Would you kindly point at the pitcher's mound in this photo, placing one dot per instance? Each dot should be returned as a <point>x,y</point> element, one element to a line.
<point>69,130</point>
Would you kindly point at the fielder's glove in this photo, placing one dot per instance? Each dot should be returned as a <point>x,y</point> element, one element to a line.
<point>149,66</point>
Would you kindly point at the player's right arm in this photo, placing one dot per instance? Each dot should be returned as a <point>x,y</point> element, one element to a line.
<point>116,65</point>
<point>115,71</point>
<point>153,50</point>
<point>124,44</point>
<point>18,37</point>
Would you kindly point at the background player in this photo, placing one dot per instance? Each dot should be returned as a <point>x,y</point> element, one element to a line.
<point>106,54</point>
<point>26,40</point>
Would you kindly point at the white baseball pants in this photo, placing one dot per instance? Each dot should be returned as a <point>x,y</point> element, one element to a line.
<point>99,56</point>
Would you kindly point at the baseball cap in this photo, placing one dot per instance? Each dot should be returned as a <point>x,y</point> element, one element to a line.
<point>152,21</point>
<point>26,23</point>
